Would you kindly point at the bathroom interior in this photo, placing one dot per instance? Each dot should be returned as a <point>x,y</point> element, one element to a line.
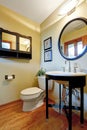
<point>18,74</point>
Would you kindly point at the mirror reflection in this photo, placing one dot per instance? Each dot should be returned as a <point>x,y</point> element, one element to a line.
<point>24,44</point>
<point>8,41</point>
<point>73,39</point>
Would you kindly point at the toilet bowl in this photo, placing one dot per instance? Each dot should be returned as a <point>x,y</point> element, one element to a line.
<point>33,97</point>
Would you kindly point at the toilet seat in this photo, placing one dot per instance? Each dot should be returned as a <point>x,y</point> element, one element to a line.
<point>30,93</point>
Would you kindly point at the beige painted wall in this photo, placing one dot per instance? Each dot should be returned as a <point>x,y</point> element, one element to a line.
<point>52,27</point>
<point>24,70</point>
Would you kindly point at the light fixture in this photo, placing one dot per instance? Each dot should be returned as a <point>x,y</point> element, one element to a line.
<point>68,6</point>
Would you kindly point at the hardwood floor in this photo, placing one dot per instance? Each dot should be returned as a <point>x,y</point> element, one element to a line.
<point>13,118</point>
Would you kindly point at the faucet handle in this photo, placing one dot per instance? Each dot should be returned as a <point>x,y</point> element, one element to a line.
<point>75,65</point>
<point>63,69</point>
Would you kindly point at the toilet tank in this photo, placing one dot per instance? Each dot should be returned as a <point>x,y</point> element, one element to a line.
<point>41,82</point>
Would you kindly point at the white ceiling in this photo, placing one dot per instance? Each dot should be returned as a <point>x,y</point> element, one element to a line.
<point>36,10</point>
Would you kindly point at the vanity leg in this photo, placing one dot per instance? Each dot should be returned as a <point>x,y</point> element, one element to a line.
<point>59,98</point>
<point>82,106</point>
<point>70,108</point>
<point>46,98</point>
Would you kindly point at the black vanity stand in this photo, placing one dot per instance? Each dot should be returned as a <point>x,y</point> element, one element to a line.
<point>74,82</point>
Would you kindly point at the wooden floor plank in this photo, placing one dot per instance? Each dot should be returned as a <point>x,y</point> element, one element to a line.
<point>13,118</point>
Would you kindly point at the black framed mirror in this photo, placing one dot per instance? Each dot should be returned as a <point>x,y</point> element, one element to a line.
<point>72,43</point>
<point>15,45</point>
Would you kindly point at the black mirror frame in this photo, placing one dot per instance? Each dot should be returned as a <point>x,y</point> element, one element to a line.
<point>59,41</point>
<point>17,53</point>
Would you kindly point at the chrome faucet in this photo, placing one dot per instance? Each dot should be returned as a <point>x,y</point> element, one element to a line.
<point>69,69</point>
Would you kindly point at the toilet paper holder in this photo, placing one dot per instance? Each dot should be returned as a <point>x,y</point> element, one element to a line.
<point>9,77</point>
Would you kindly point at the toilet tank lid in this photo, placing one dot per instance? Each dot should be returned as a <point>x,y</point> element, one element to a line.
<point>30,91</point>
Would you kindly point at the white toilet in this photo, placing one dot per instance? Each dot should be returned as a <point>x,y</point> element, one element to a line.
<point>33,97</point>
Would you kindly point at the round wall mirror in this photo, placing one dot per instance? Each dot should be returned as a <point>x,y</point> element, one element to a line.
<point>72,41</point>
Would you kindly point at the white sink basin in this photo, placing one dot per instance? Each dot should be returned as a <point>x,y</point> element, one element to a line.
<point>60,73</point>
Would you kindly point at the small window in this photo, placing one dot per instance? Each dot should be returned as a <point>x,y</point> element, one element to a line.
<point>71,50</point>
<point>79,47</point>
<point>5,45</point>
<point>74,47</point>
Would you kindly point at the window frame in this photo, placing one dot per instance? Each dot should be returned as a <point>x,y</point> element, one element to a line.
<point>75,42</point>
